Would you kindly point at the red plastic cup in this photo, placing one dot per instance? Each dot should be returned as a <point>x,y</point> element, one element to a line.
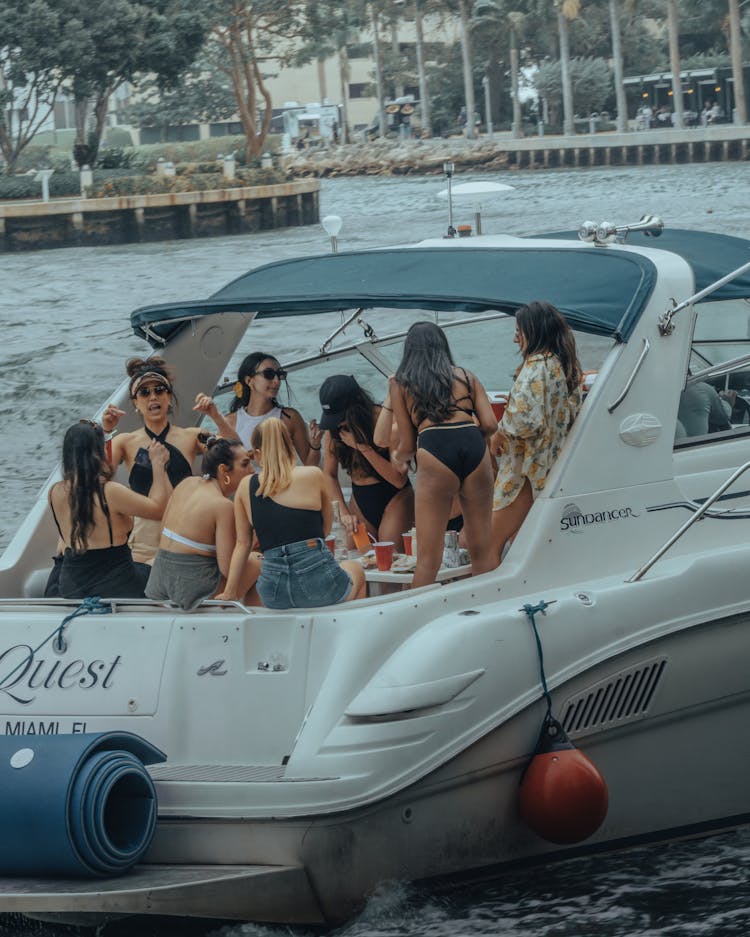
<point>407,542</point>
<point>331,543</point>
<point>384,554</point>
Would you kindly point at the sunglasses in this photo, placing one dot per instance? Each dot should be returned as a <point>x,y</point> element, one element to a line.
<point>270,373</point>
<point>157,389</point>
<point>90,423</point>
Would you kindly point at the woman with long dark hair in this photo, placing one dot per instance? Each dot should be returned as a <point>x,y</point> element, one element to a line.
<point>444,416</point>
<point>198,536</point>
<point>287,507</point>
<point>543,402</point>
<point>94,517</point>
<point>152,395</point>
<point>382,496</point>
<point>256,391</point>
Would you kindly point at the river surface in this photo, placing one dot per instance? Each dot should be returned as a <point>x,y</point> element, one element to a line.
<point>65,336</point>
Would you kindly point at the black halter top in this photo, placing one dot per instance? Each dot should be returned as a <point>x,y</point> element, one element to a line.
<point>178,468</point>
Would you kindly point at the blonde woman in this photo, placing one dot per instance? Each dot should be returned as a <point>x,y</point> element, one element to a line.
<point>286,506</point>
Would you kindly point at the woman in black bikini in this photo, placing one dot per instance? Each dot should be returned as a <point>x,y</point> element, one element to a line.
<point>152,395</point>
<point>382,496</point>
<point>94,516</point>
<point>443,415</point>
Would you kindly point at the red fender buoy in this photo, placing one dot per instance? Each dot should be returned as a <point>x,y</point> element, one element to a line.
<point>563,797</point>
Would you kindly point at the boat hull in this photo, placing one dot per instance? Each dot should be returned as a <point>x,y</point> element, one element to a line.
<point>679,769</point>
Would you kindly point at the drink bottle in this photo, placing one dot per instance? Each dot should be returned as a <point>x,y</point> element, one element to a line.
<point>340,551</point>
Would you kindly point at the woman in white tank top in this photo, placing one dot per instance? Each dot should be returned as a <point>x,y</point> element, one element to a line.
<point>258,381</point>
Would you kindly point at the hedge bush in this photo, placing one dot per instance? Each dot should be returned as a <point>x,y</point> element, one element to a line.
<point>198,177</point>
<point>186,182</point>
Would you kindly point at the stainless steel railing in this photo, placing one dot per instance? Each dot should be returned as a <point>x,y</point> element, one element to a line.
<point>689,523</point>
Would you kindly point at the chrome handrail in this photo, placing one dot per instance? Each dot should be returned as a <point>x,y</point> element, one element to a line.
<point>624,392</point>
<point>664,321</point>
<point>689,523</point>
<point>718,370</point>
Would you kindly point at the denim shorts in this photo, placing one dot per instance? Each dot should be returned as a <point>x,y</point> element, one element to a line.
<point>302,575</point>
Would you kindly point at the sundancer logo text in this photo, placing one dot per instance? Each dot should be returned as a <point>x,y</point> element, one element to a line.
<point>573,517</point>
<point>22,673</point>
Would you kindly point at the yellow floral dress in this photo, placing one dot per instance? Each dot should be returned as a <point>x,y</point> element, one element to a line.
<point>536,421</point>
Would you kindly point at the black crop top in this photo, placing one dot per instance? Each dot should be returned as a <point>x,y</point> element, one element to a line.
<point>276,525</point>
<point>178,468</point>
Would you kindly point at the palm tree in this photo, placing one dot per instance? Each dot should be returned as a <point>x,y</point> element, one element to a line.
<point>622,107</point>
<point>567,10</point>
<point>424,95</point>
<point>673,24</point>
<point>735,48</point>
<point>513,20</point>
<point>464,10</point>
<point>377,55</point>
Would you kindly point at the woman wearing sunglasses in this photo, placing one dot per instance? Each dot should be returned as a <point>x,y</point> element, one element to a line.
<point>258,383</point>
<point>152,397</point>
<point>94,516</point>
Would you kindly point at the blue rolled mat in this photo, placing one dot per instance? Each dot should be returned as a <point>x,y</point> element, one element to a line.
<point>75,805</point>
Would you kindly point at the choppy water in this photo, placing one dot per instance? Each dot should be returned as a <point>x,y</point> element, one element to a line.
<point>64,338</point>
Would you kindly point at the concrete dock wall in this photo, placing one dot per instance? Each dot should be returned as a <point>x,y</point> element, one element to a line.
<point>127,219</point>
<point>643,148</point>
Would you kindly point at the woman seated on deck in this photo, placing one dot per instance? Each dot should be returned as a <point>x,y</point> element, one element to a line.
<point>382,496</point>
<point>153,397</point>
<point>444,415</point>
<point>543,402</point>
<point>199,535</point>
<point>258,383</point>
<point>289,510</point>
<point>94,517</point>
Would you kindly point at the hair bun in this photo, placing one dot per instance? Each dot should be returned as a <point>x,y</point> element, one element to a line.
<point>134,366</point>
<point>211,441</point>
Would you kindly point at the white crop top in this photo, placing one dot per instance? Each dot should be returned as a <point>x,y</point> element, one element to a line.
<point>246,424</point>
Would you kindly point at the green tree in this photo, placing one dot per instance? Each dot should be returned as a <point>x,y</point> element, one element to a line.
<point>203,95</point>
<point>591,80</point>
<point>135,37</point>
<point>258,37</point>
<point>35,36</point>
<point>506,18</point>
<point>446,94</point>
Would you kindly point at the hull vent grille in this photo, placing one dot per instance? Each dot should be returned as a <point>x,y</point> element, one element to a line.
<point>621,698</point>
<point>228,774</point>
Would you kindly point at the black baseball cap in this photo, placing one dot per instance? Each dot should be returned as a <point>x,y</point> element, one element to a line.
<point>335,394</point>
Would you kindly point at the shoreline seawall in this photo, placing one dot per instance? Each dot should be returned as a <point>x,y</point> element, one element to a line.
<point>502,152</point>
<point>35,225</point>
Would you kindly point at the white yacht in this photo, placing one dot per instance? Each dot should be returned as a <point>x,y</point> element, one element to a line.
<point>311,755</point>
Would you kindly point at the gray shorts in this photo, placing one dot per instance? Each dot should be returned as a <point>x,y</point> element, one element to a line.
<point>182,578</point>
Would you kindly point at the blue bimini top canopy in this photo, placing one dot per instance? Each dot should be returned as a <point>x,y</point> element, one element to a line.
<point>712,256</point>
<point>600,291</point>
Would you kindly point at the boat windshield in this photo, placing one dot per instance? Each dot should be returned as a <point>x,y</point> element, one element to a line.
<point>720,357</point>
<point>482,343</point>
